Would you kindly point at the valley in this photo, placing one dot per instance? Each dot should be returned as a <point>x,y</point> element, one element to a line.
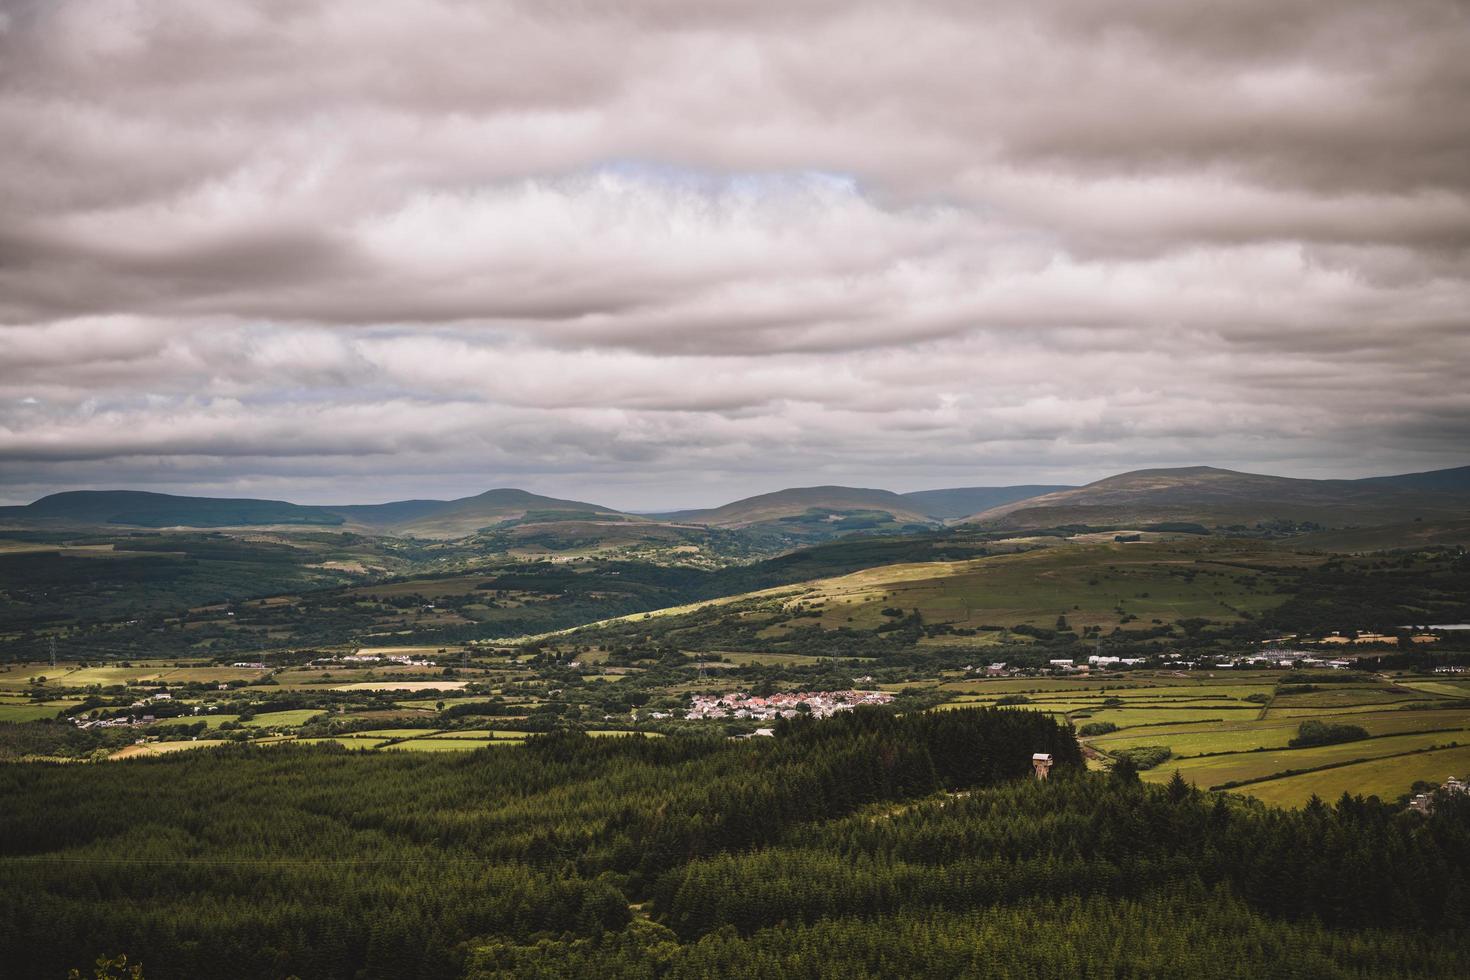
<point>625,738</point>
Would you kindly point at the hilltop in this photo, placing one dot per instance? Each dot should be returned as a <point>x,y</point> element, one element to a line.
<point>829,504</point>
<point>411,518</point>
<point>1200,495</point>
<point>1219,497</point>
<point>140,509</point>
<point>457,518</point>
<point>963,501</point>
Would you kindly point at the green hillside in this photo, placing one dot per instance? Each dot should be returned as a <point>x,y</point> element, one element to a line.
<point>140,509</point>
<point>1223,498</point>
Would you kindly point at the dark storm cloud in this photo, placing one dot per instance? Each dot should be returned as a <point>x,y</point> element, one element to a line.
<point>727,246</point>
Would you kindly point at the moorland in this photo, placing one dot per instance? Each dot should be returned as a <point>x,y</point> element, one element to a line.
<point>449,738</point>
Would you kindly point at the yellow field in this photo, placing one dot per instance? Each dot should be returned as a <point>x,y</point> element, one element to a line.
<point>402,686</point>
<point>443,744</point>
<point>283,719</point>
<point>1386,779</point>
<point>159,748</point>
<point>1219,769</point>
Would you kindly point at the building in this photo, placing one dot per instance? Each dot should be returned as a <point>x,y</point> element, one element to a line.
<point>1424,802</point>
<point>1041,762</point>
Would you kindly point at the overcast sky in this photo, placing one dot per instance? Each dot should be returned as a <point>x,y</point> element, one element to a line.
<point>664,253</point>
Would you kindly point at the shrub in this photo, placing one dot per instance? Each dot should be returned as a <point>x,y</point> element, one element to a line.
<point>1321,733</point>
<point>1146,756</point>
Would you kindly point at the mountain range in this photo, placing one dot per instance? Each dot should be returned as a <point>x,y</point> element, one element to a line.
<point>1202,494</point>
<point>1206,495</point>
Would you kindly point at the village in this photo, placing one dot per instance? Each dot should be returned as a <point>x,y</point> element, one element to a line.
<point>820,704</point>
<point>1424,802</point>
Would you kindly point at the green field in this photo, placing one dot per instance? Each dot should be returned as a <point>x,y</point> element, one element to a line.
<point>350,742</point>
<point>401,686</point>
<point>283,719</point>
<point>160,748</point>
<point>1345,696</point>
<point>1216,736</point>
<point>27,710</point>
<point>1354,709</point>
<point>1385,778</point>
<point>1216,770</point>
<point>1449,689</point>
<point>1125,717</point>
<point>614,733</point>
<point>212,720</point>
<point>1089,582</point>
<point>444,744</point>
<point>483,734</point>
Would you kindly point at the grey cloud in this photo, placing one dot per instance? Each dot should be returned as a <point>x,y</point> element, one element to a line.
<point>269,244</point>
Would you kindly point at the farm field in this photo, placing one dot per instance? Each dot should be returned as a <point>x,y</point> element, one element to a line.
<point>401,686</point>
<point>1449,689</point>
<point>347,740</point>
<point>28,710</point>
<point>283,719</point>
<point>1140,685</point>
<point>444,744</point>
<point>1211,771</point>
<point>1128,717</point>
<point>212,720</point>
<point>483,734</point>
<point>1193,740</point>
<point>1090,582</point>
<point>1343,696</point>
<point>1354,709</point>
<point>162,748</point>
<point>18,678</point>
<point>617,733</point>
<point>1384,778</point>
<point>1244,736</point>
<point>1216,736</point>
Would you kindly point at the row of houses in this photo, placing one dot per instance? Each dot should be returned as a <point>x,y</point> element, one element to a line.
<point>405,660</point>
<point>127,722</point>
<point>1424,802</point>
<point>819,704</point>
<point>1284,659</point>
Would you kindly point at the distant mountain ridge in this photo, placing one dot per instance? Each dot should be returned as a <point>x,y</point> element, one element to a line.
<point>964,501</point>
<point>797,501</point>
<point>1214,496</point>
<point>456,518</point>
<point>1200,494</point>
<point>414,518</point>
<point>138,508</point>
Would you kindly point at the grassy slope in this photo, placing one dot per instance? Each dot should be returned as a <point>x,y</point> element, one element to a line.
<point>798,500</point>
<point>1222,497</point>
<point>1086,583</point>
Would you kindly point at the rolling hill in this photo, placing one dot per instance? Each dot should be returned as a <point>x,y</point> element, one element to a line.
<point>1456,480</point>
<point>89,508</point>
<point>1218,497</point>
<point>823,504</point>
<point>457,518</point>
<point>415,518</point>
<point>801,515</point>
<point>964,501</point>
